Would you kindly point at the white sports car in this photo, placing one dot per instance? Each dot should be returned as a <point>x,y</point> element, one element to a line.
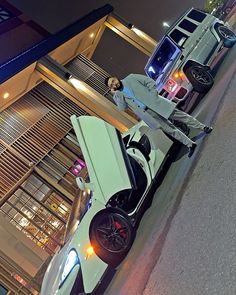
<point>121,171</point>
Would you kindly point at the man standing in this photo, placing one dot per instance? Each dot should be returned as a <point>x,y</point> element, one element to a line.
<point>139,93</point>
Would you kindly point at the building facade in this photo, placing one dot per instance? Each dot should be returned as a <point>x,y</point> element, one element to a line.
<point>40,156</point>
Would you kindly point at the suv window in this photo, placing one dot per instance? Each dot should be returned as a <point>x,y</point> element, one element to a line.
<point>179,37</point>
<point>196,15</point>
<point>187,26</point>
<point>167,53</point>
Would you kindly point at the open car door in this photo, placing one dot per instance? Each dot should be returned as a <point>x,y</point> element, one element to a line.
<point>107,162</point>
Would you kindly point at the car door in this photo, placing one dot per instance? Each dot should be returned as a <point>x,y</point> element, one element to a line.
<point>106,159</point>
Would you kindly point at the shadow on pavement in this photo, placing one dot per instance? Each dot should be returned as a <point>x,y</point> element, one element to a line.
<point>105,281</point>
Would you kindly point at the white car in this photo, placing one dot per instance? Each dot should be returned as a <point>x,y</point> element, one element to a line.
<point>121,172</point>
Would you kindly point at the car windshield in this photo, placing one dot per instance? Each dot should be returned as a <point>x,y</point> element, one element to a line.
<point>162,59</point>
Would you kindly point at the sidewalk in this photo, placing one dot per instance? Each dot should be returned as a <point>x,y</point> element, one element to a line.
<point>199,255</point>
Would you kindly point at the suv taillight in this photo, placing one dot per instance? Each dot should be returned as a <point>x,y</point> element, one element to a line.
<point>171,85</point>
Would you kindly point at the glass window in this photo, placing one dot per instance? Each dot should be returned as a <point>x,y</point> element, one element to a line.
<point>197,15</point>
<point>29,187</point>
<point>163,59</point>
<point>3,290</point>
<point>188,26</point>
<point>178,37</point>
<point>58,205</point>
<point>37,222</point>
<point>65,162</point>
<point>35,187</point>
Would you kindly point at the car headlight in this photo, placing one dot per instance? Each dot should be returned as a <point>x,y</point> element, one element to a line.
<point>71,261</point>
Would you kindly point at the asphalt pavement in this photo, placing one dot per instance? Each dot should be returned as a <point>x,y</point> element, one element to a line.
<point>186,242</point>
<point>199,253</point>
<point>198,256</point>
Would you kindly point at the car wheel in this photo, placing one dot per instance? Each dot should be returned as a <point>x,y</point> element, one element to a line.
<point>200,78</point>
<point>227,10</point>
<point>111,234</point>
<point>228,36</point>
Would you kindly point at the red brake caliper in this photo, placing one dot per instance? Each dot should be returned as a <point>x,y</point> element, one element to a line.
<point>122,232</point>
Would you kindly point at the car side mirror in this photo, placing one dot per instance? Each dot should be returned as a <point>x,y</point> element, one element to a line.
<point>83,185</point>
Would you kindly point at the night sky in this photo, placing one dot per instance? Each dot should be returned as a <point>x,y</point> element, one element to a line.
<point>113,54</point>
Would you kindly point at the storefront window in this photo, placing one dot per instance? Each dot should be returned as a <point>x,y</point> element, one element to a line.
<point>39,212</point>
<point>65,162</point>
<point>3,290</point>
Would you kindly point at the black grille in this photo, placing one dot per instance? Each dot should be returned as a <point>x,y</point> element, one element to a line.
<point>181,93</point>
<point>164,93</point>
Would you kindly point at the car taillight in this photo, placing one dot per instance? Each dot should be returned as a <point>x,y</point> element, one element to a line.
<point>178,74</point>
<point>171,85</point>
<point>179,77</point>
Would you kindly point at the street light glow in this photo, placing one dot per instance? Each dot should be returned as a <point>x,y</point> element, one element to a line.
<point>165,24</point>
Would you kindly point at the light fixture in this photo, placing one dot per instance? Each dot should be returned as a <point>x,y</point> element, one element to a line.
<point>165,24</point>
<point>91,35</point>
<point>79,85</point>
<point>6,95</point>
<point>68,75</point>
<point>134,29</point>
<point>130,26</point>
<point>142,35</point>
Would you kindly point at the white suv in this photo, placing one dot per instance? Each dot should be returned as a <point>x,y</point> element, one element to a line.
<point>181,61</point>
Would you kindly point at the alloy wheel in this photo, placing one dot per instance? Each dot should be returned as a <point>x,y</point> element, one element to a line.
<point>226,33</point>
<point>201,76</point>
<point>113,233</point>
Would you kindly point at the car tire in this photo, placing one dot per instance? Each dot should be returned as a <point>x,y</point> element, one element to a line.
<point>227,10</point>
<point>228,36</point>
<point>112,235</point>
<point>200,78</point>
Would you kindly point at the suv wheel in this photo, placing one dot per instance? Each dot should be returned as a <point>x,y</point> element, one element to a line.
<point>200,78</point>
<point>111,235</point>
<point>228,36</point>
<point>227,10</point>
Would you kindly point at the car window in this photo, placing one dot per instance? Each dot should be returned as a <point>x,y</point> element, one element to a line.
<point>197,15</point>
<point>164,57</point>
<point>179,37</point>
<point>188,26</point>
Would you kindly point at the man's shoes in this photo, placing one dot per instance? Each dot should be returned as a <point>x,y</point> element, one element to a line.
<point>192,149</point>
<point>207,129</point>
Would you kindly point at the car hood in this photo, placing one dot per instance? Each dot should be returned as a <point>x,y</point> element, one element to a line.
<point>105,156</point>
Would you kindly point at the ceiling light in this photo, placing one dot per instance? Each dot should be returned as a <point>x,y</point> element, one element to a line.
<point>6,95</point>
<point>68,75</point>
<point>165,24</point>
